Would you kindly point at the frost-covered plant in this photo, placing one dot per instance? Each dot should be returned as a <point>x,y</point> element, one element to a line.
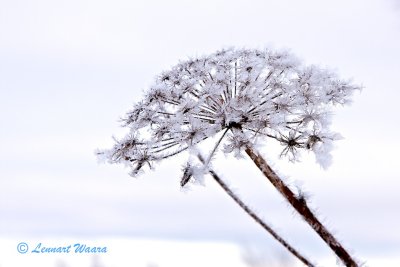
<point>246,97</point>
<point>255,217</point>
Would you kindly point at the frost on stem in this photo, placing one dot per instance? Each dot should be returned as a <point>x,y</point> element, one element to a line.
<point>244,94</point>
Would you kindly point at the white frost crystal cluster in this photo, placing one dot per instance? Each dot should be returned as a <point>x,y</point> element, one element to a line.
<point>241,93</point>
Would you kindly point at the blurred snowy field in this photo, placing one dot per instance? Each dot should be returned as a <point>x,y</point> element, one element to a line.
<point>155,253</point>
<point>124,252</point>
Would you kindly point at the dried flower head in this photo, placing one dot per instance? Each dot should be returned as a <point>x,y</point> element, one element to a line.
<point>241,93</point>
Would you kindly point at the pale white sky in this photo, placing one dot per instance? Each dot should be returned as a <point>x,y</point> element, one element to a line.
<point>70,69</point>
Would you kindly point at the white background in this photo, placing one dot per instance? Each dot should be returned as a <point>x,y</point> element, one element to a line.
<point>70,69</point>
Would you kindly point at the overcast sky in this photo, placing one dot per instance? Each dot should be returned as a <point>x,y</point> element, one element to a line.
<point>70,69</point>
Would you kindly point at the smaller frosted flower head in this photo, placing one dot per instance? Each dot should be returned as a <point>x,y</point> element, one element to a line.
<point>241,94</point>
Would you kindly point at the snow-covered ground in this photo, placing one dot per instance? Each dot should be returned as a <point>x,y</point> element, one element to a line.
<point>124,252</point>
<point>153,253</point>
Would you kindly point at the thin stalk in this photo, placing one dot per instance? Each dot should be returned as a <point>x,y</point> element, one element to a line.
<point>215,148</point>
<point>301,207</point>
<point>252,214</point>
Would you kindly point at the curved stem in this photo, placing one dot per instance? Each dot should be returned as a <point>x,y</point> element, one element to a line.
<point>300,205</point>
<point>252,214</point>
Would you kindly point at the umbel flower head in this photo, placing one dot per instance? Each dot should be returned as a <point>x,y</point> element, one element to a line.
<point>242,93</point>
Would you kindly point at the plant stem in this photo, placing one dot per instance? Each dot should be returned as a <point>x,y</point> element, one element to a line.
<point>252,214</point>
<point>300,205</point>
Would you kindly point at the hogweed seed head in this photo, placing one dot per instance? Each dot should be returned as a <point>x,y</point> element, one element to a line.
<point>241,92</point>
